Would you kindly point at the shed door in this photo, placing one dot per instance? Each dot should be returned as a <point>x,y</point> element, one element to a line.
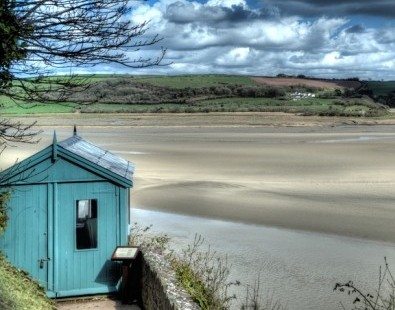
<point>87,235</point>
<point>25,239</point>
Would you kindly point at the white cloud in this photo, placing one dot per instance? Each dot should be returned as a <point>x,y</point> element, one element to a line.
<point>226,3</point>
<point>331,59</point>
<point>219,37</point>
<point>235,57</point>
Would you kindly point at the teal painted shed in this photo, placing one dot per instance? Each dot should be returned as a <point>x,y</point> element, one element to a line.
<point>68,211</point>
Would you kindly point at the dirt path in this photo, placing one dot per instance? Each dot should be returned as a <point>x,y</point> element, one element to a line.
<point>102,304</point>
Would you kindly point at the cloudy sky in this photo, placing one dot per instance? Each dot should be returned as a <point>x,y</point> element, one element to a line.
<point>265,37</point>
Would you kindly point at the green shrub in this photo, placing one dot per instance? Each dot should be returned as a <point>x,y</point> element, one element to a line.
<point>201,272</point>
<point>328,94</point>
<point>205,275</point>
<point>195,286</point>
<point>4,197</point>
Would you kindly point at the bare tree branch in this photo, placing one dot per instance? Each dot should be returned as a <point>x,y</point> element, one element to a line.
<point>49,34</point>
<point>40,36</point>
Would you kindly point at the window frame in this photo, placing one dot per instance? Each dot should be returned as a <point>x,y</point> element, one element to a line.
<point>75,225</point>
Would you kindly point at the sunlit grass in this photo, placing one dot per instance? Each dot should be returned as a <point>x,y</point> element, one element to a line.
<point>8,106</point>
<point>18,291</point>
<point>195,81</point>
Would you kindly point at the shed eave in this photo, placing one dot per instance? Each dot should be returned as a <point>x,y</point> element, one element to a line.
<point>30,162</point>
<point>20,167</point>
<point>107,174</point>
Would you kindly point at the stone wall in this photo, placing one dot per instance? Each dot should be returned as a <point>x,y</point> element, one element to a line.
<point>159,286</point>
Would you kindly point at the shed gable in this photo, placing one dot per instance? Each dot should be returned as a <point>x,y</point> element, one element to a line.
<point>57,163</point>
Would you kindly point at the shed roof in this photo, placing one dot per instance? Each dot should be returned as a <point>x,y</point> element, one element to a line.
<point>98,156</point>
<point>75,150</point>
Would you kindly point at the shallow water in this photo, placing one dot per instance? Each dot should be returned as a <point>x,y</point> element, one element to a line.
<point>297,268</point>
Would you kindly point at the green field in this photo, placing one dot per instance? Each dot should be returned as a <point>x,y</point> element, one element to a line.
<point>195,81</point>
<point>382,88</point>
<point>173,81</point>
<point>196,93</point>
<point>8,106</point>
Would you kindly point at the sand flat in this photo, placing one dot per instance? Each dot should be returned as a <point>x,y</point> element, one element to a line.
<point>331,177</point>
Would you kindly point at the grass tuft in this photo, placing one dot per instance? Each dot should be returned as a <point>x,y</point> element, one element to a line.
<point>19,291</point>
<point>205,275</point>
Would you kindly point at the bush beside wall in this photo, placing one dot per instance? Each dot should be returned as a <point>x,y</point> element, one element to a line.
<point>160,290</point>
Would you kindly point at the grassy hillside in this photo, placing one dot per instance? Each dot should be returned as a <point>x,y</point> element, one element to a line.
<point>18,291</point>
<point>8,106</point>
<point>200,93</point>
<point>381,88</point>
<point>383,92</point>
<point>196,81</point>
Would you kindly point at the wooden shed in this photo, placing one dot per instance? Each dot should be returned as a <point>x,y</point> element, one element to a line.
<point>68,211</point>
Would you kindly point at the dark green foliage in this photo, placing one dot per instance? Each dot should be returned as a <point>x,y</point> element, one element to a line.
<point>338,92</point>
<point>383,92</point>
<point>11,47</point>
<point>352,79</point>
<point>351,93</point>
<point>354,109</point>
<point>328,94</point>
<point>381,88</point>
<point>4,197</point>
<point>390,100</point>
<point>129,90</point>
<point>39,36</point>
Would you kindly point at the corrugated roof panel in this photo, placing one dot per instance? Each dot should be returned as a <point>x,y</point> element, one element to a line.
<point>95,154</point>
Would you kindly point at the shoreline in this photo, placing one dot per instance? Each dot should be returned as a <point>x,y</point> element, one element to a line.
<point>301,230</point>
<point>224,221</point>
<point>212,119</point>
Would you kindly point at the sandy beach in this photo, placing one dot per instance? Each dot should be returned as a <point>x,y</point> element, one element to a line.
<point>310,174</point>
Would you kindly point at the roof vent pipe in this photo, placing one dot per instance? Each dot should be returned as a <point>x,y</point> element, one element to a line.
<point>54,147</point>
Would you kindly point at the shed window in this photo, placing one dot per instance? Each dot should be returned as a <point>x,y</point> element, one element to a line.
<point>86,226</point>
